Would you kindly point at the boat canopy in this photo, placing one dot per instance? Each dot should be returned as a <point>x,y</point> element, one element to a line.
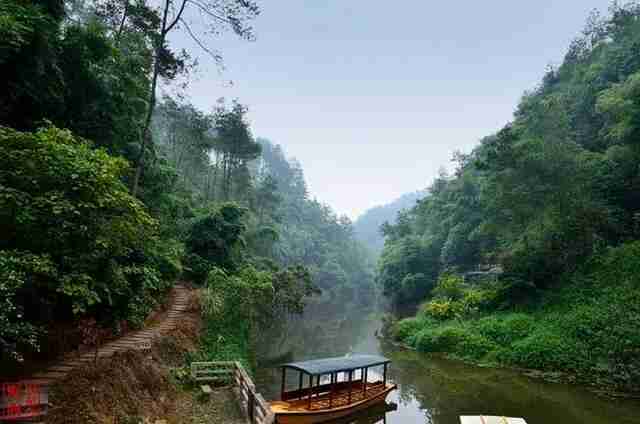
<point>337,364</point>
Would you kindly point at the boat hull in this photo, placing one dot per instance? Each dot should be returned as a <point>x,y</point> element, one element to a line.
<point>324,415</point>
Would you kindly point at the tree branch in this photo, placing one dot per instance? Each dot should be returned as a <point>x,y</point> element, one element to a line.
<point>177,18</point>
<point>209,12</point>
<point>215,56</point>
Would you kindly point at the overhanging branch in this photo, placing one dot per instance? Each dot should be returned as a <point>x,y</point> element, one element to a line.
<point>215,56</point>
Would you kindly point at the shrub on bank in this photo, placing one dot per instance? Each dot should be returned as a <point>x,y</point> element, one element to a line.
<point>588,327</point>
<point>545,349</point>
<point>505,329</point>
<point>453,338</point>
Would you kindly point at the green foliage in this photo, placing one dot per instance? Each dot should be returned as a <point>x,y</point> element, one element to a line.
<point>452,298</point>
<point>442,309</point>
<point>71,75</point>
<point>166,256</point>
<point>457,340</point>
<point>554,187</point>
<point>76,241</point>
<point>235,305</point>
<point>408,269</point>
<point>544,350</point>
<point>110,256</point>
<point>588,327</point>
<point>33,83</point>
<point>450,286</point>
<point>407,327</point>
<point>215,240</point>
<point>17,271</point>
<point>309,234</point>
<point>507,328</point>
<point>550,202</point>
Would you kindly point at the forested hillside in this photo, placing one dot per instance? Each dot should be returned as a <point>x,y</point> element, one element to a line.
<point>109,195</point>
<point>550,202</point>
<point>368,225</point>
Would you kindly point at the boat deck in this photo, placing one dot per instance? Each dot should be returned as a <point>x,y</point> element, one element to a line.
<point>339,398</point>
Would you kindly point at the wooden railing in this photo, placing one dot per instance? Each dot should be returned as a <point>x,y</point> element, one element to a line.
<point>257,409</point>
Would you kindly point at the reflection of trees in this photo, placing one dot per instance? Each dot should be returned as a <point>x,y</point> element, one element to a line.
<point>446,389</point>
<point>320,332</point>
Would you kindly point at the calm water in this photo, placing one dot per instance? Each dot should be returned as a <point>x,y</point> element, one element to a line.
<point>438,391</point>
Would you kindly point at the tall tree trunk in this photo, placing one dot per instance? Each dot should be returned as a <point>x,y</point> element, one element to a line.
<point>146,132</point>
<point>225,176</point>
<point>215,176</point>
<point>122,22</point>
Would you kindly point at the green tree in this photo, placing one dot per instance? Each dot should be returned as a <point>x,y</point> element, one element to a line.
<point>74,241</point>
<point>218,15</point>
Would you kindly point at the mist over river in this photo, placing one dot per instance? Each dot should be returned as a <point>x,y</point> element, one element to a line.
<point>436,390</point>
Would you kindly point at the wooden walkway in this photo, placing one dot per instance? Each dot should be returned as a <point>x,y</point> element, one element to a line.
<point>136,340</point>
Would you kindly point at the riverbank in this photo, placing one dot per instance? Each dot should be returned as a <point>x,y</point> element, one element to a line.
<point>584,331</point>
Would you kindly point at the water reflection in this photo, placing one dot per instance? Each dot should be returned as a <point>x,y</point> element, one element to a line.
<point>438,391</point>
<point>374,415</point>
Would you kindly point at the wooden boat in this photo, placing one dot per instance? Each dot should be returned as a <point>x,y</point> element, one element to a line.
<point>339,397</point>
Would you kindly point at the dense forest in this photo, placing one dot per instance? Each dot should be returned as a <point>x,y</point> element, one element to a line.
<point>110,193</point>
<point>116,189</point>
<point>368,225</point>
<point>528,254</point>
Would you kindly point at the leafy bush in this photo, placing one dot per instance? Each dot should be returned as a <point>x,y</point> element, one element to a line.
<point>235,305</point>
<point>545,349</point>
<point>441,310</point>
<point>407,327</point>
<point>505,329</point>
<point>453,299</point>
<point>450,286</point>
<point>166,256</point>
<point>75,242</point>
<point>196,268</point>
<point>17,270</point>
<point>455,339</point>
<point>214,240</point>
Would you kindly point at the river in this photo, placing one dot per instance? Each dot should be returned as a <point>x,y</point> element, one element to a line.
<point>436,390</point>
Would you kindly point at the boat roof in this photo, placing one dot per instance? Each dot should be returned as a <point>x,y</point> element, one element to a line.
<point>337,364</point>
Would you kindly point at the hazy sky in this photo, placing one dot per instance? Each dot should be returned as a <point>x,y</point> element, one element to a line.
<point>373,97</point>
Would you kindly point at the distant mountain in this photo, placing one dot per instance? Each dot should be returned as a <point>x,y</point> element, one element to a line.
<point>367,226</point>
